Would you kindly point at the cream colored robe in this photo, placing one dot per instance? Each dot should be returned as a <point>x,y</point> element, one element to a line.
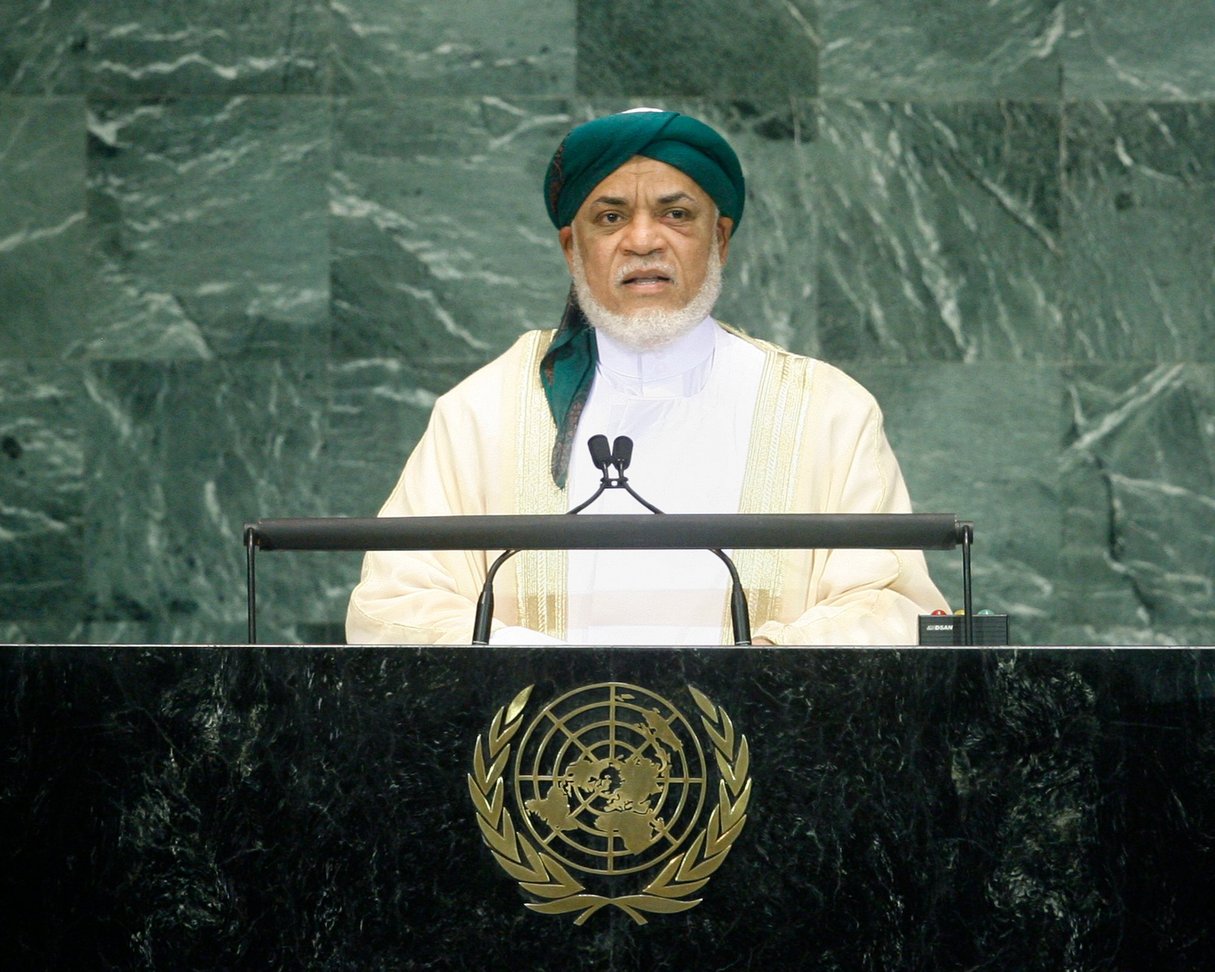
<point>817,446</point>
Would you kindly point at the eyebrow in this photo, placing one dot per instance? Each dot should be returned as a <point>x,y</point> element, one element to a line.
<point>662,200</point>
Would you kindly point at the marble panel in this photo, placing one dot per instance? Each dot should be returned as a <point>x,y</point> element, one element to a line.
<point>442,249</point>
<point>443,252</point>
<point>173,630</point>
<point>434,47</point>
<point>703,48</point>
<point>1139,218</point>
<point>41,494</point>
<point>939,231</point>
<point>218,47</point>
<point>1133,51</point>
<point>380,409</point>
<point>275,625</point>
<point>180,457</point>
<point>43,46</point>
<point>945,50</point>
<point>59,630</point>
<point>770,288</point>
<point>207,218</point>
<point>43,260</point>
<point>982,440</point>
<point>1139,503</point>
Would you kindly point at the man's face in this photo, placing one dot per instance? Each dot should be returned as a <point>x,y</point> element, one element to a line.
<point>644,235</point>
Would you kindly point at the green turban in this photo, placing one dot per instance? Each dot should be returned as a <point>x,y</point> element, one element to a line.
<point>596,149</point>
<point>585,157</point>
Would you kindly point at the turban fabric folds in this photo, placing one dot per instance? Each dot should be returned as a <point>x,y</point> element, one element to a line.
<point>593,151</point>
<point>588,155</point>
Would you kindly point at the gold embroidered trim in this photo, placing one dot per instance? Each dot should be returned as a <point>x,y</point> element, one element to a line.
<point>540,575</point>
<point>770,483</point>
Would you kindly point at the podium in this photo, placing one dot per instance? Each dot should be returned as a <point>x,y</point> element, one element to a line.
<point>283,807</point>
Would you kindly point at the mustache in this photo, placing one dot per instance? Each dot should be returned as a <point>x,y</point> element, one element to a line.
<point>644,267</point>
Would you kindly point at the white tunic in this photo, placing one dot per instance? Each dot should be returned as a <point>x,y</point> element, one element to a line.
<point>688,409</point>
<point>816,445</point>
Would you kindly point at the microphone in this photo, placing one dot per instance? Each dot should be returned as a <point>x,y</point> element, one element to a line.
<point>603,459</point>
<point>620,455</point>
<point>601,455</point>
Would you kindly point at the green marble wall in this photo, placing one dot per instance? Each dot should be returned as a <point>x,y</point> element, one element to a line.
<point>244,244</point>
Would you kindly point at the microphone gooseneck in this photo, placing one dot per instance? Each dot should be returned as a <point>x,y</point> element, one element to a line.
<point>604,458</point>
<point>622,455</point>
<point>619,456</point>
<point>483,619</point>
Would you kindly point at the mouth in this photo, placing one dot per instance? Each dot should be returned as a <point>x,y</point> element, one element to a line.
<point>648,279</point>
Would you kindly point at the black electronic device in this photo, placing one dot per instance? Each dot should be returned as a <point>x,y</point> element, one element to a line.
<point>948,629</point>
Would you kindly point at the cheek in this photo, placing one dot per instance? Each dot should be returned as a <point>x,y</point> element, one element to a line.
<point>695,264</point>
<point>597,262</point>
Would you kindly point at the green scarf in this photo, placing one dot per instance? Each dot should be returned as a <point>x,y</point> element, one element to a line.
<point>566,372</point>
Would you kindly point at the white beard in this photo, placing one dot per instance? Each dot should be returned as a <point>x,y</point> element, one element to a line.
<point>646,330</point>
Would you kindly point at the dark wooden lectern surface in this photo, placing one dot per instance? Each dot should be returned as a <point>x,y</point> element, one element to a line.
<point>286,807</point>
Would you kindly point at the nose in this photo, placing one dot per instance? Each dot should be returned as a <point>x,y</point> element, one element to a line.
<point>641,236</point>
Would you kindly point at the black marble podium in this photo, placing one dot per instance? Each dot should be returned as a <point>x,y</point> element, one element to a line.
<point>286,807</point>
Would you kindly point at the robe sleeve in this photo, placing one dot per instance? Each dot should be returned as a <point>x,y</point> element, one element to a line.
<point>853,597</point>
<point>420,597</point>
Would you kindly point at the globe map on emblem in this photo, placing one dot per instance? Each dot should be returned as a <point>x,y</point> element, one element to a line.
<point>610,778</point>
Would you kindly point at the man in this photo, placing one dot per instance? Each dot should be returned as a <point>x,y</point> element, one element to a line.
<point>646,204</point>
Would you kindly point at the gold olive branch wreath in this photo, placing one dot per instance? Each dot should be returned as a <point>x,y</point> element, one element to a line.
<point>544,876</point>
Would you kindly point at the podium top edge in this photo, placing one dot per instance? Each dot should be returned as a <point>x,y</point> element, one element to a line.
<point>805,531</point>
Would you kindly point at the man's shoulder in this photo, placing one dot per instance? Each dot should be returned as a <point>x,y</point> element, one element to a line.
<point>517,363</point>
<point>773,351</point>
<point>526,347</point>
<point>810,372</point>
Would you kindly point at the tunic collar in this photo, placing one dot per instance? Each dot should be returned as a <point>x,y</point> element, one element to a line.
<point>677,370</point>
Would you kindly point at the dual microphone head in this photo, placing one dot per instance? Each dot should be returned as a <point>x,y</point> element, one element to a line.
<point>619,455</point>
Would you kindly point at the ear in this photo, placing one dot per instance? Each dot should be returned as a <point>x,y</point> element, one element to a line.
<point>565,236</point>
<point>725,228</point>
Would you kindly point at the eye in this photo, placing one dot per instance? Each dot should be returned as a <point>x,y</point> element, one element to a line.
<point>677,214</point>
<point>611,218</point>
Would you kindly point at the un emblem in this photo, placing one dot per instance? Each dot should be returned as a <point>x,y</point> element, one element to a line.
<point>609,781</point>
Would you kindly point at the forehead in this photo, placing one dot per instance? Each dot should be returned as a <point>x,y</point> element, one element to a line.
<point>641,180</point>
